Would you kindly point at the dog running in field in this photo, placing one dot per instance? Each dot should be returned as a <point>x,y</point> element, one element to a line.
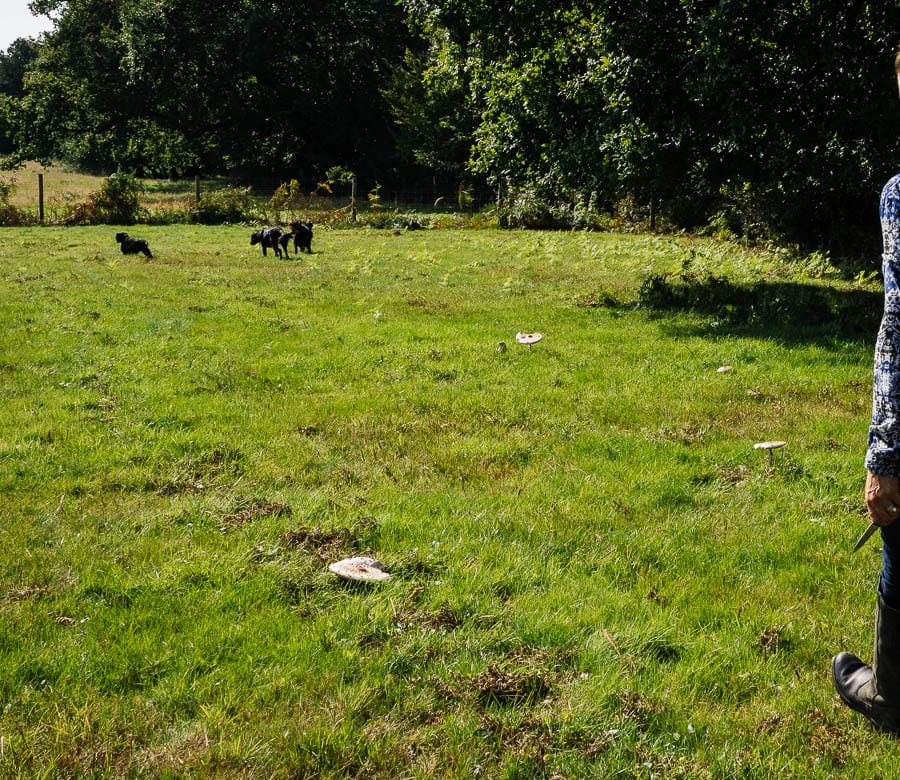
<point>133,246</point>
<point>269,238</point>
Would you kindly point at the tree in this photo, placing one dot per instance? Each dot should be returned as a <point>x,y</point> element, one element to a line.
<point>428,97</point>
<point>172,85</point>
<point>777,114</point>
<point>13,64</point>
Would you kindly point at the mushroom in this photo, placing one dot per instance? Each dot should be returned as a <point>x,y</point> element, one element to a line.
<point>360,570</point>
<point>528,338</point>
<point>768,446</point>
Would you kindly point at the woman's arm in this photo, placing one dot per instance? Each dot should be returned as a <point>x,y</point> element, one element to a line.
<point>883,454</point>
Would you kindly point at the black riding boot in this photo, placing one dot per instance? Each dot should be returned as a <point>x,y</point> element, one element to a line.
<point>874,690</point>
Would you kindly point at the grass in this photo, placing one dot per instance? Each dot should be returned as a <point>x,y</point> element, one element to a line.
<point>63,187</point>
<point>594,573</point>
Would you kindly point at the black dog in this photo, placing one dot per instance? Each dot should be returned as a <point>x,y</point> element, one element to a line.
<point>270,238</point>
<point>302,233</point>
<point>284,240</point>
<point>131,246</point>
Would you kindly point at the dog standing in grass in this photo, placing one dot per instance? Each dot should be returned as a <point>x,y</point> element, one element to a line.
<point>269,238</point>
<point>302,233</point>
<point>133,246</point>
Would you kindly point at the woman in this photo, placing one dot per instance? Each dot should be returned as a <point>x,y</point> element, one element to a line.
<point>875,690</point>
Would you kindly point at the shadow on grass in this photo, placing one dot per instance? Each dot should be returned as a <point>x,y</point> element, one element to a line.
<point>788,311</point>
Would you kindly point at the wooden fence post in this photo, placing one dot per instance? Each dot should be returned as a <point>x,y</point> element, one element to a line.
<point>353,198</point>
<point>41,197</point>
<point>197,187</point>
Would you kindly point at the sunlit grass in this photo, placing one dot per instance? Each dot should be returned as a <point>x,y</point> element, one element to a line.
<point>594,572</point>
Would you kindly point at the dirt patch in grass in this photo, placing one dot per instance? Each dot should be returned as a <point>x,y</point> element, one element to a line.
<point>637,708</point>
<point>772,640</point>
<point>733,475</point>
<point>827,739</point>
<point>327,545</point>
<point>181,753</point>
<point>252,512</point>
<point>536,738</point>
<point>331,545</point>
<point>522,677</point>
<point>26,592</point>
<point>656,597</point>
<point>443,617</point>
<point>510,687</point>
<point>771,723</point>
<point>531,739</point>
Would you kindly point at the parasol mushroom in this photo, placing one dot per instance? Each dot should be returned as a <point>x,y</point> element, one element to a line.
<point>768,446</point>
<point>528,338</point>
<point>360,570</point>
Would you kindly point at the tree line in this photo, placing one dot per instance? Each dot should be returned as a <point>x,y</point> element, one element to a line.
<point>766,118</point>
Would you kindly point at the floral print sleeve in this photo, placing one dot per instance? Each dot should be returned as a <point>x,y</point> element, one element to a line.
<point>883,455</point>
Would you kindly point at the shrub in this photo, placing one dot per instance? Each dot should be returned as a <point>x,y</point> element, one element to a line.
<point>226,205</point>
<point>289,197</point>
<point>117,202</point>
<point>530,209</point>
<point>525,208</point>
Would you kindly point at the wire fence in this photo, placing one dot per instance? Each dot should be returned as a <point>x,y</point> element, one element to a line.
<point>53,196</point>
<point>49,197</point>
<point>436,194</point>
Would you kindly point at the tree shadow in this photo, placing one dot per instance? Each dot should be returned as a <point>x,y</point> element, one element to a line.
<point>787,311</point>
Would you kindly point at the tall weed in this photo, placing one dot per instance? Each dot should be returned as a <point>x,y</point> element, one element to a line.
<point>223,206</point>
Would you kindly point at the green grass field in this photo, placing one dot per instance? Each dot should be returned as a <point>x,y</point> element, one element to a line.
<point>63,187</point>
<point>594,572</point>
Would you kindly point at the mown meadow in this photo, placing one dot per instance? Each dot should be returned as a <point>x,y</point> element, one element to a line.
<point>594,574</point>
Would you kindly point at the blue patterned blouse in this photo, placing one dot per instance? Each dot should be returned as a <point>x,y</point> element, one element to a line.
<point>883,455</point>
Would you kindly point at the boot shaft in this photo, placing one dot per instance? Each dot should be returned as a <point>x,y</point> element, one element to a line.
<point>887,652</point>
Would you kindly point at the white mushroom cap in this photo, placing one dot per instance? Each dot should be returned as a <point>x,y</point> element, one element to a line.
<point>360,570</point>
<point>769,445</point>
<point>528,338</point>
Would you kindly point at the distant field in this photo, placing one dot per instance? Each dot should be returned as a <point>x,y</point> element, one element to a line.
<point>594,572</point>
<point>58,182</point>
<point>62,186</point>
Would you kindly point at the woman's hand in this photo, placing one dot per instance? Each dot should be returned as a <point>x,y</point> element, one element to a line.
<point>882,498</point>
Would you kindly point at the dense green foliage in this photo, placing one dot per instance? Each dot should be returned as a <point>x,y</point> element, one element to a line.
<point>768,119</point>
<point>13,64</point>
<point>778,116</point>
<point>178,85</point>
<point>594,573</point>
